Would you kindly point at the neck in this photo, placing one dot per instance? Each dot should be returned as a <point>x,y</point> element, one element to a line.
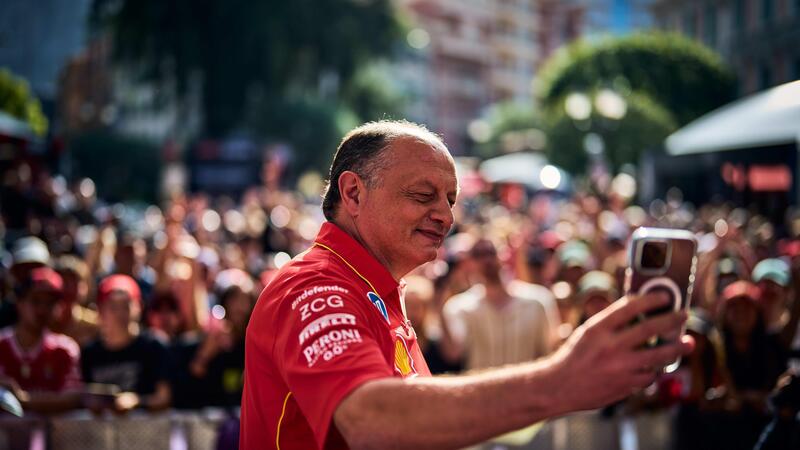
<point>119,338</point>
<point>349,226</point>
<point>28,338</point>
<point>496,293</point>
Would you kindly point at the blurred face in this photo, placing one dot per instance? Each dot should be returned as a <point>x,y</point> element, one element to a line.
<point>37,309</point>
<point>484,254</point>
<point>118,311</point>
<point>238,308</point>
<point>404,218</point>
<point>416,309</point>
<point>773,294</point>
<point>741,315</point>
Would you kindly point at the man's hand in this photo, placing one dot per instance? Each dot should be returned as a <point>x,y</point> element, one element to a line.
<point>605,359</point>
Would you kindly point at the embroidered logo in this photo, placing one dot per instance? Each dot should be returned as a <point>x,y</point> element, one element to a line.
<point>378,302</point>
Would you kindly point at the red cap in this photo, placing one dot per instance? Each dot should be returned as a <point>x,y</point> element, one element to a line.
<point>118,282</point>
<point>741,288</point>
<point>46,278</point>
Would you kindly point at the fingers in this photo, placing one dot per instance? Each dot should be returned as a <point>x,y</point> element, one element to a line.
<point>662,355</point>
<point>658,325</point>
<point>623,311</point>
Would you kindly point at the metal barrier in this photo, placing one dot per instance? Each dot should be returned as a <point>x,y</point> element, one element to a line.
<point>199,431</point>
<point>136,431</point>
<point>591,431</point>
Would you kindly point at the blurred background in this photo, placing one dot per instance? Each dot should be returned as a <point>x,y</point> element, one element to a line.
<point>165,157</point>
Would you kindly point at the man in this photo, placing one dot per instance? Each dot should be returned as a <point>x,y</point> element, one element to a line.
<point>773,278</point>
<point>496,323</point>
<point>40,367</point>
<point>597,290</point>
<point>331,361</point>
<point>75,319</point>
<point>28,253</point>
<point>135,362</point>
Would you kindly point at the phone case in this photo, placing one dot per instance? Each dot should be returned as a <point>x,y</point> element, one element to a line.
<point>676,277</point>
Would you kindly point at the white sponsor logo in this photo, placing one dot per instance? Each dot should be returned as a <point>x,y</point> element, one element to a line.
<point>317,290</point>
<point>319,305</point>
<point>330,345</point>
<point>324,322</point>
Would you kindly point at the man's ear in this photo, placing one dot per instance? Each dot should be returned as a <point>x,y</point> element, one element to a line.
<point>351,191</point>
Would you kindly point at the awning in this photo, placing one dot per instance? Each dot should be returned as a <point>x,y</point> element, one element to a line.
<point>768,118</point>
<point>528,169</point>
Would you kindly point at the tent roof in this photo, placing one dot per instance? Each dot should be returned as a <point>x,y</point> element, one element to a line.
<point>768,118</point>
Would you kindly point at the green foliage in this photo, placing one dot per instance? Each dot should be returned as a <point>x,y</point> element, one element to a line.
<point>511,124</point>
<point>371,96</point>
<point>122,168</point>
<point>683,76</point>
<point>241,47</point>
<point>313,128</point>
<point>645,124</point>
<point>17,100</point>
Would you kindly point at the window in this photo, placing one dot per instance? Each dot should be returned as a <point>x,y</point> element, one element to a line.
<point>796,68</point>
<point>740,13</point>
<point>710,21</point>
<point>689,22</point>
<point>764,76</point>
<point>766,11</point>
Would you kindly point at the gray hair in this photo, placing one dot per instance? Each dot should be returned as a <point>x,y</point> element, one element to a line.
<point>362,151</point>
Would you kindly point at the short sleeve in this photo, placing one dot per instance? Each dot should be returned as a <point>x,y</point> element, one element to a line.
<point>72,376</point>
<point>329,345</point>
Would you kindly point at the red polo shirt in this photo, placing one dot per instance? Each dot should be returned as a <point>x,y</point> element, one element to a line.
<point>329,321</point>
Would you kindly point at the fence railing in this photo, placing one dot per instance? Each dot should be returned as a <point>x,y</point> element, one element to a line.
<point>200,431</point>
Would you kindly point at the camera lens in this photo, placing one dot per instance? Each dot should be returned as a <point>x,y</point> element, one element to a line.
<point>654,255</point>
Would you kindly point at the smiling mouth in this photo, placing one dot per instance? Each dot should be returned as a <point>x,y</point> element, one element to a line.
<point>432,235</point>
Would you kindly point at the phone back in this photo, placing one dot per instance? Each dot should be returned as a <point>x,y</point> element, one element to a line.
<point>675,276</point>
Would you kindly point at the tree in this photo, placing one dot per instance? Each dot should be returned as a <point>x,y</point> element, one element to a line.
<point>507,127</point>
<point>684,77</point>
<point>248,51</point>
<point>17,100</point>
<point>644,124</point>
<point>123,168</point>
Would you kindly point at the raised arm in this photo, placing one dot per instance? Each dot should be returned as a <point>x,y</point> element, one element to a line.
<point>603,361</point>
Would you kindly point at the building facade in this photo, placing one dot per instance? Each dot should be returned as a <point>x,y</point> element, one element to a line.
<point>478,52</point>
<point>760,39</point>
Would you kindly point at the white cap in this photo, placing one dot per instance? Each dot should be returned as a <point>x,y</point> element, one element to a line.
<point>30,249</point>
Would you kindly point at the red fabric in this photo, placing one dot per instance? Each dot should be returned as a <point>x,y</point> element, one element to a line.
<point>315,333</point>
<point>118,282</point>
<point>51,367</point>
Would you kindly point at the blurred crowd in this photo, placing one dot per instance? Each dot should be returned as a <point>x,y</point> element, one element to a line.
<point>116,307</point>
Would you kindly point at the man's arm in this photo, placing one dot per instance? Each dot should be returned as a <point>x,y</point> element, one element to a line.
<point>603,361</point>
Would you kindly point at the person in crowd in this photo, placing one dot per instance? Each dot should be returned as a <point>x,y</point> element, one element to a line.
<point>75,319</point>
<point>40,367</point>
<point>28,253</point>
<point>783,432</point>
<point>773,278</point>
<point>755,359</point>
<point>130,258</point>
<point>420,310</point>
<point>495,322</point>
<point>575,259</point>
<point>124,356</point>
<point>597,290</point>
<point>219,360</point>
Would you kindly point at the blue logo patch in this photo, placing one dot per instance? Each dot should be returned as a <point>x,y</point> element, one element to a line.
<point>378,302</point>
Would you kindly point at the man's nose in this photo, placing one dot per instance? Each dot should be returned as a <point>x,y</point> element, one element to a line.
<point>443,213</point>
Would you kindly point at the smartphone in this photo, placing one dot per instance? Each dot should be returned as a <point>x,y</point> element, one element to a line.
<point>662,259</point>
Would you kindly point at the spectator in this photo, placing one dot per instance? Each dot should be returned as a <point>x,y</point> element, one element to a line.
<point>38,366</point>
<point>420,312</point>
<point>773,279</point>
<point>494,323</point>
<point>28,253</point>
<point>596,291</point>
<point>123,356</point>
<point>219,361</point>
<point>75,320</point>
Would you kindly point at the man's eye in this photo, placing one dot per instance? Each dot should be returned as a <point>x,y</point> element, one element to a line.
<point>423,197</point>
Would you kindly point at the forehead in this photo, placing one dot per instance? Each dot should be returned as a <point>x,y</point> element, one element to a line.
<point>412,160</point>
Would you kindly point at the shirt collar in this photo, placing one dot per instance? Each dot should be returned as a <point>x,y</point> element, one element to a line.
<point>354,254</point>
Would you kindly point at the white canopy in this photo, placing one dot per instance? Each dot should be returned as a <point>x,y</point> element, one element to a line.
<point>768,118</point>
